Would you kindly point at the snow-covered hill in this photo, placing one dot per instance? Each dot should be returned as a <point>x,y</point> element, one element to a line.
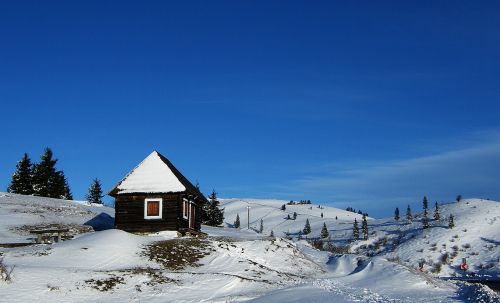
<point>230,265</point>
<point>277,220</point>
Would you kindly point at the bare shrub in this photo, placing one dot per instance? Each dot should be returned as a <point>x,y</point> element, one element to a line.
<point>5,272</point>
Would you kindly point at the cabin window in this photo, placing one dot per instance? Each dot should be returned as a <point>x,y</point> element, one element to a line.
<point>185,208</point>
<point>153,208</point>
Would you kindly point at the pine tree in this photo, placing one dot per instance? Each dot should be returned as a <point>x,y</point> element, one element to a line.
<point>294,215</point>
<point>288,217</point>
<point>451,221</point>
<point>425,220</point>
<point>425,203</point>
<point>283,207</point>
<point>437,215</point>
<point>94,194</point>
<point>44,174</point>
<point>60,188</point>
<point>364,227</point>
<point>459,197</point>
<point>22,178</point>
<point>324,231</point>
<point>215,215</point>
<point>271,234</point>
<point>321,215</point>
<point>396,214</point>
<point>409,216</point>
<point>307,228</point>
<point>261,227</point>
<point>355,230</point>
<point>237,221</point>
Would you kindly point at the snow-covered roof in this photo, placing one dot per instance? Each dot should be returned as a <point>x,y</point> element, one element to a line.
<point>155,174</point>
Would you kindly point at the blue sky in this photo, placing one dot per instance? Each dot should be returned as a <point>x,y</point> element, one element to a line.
<point>363,104</point>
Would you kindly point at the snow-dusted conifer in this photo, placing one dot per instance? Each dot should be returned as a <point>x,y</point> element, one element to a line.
<point>94,194</point>
<point>237,221</point>
<point>324,231</point>
<point>425,203</point>
<point>355,230</point>
<point>364,227</point>
<point>437,215</point>
<point>43,175</point>
<point>21,182</point>
<point>396,214</point>
<point>451,221</point>
<point>60,187</point>
<point>215,215</point>
<point>425,220</point>
<point>307,228</point>
<point>409,216</point>
<point>261,227</point>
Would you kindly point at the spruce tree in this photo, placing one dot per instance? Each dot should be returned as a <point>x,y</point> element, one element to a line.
<point>44,174</point>
<point>324,231</point>
<point>288,217</point>
<point>425,220</point>
<point>237,221</point>
<point>60,188</point>
<point>215,215</point>
<point>95,192</point>
<point>283,207</point>
<point>261,227</point>
<point>451,221</point>
<point>364,227</point>
<point>321,215</point>
<point>409,216</point>
<point>459,197</point>
<point>22,178</point>
<point>294,215</point>
<point>396,214</point>
<point>437,215</point>
<point>307,228</point>
<point>355,230</point>
<point>271,234</point>
<point>425,203</point>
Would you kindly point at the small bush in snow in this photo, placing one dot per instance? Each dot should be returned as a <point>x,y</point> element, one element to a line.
<point>5,272</point>
<point>466,245</point>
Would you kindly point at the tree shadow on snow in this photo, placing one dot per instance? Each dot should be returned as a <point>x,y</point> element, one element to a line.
<point>100,222</point>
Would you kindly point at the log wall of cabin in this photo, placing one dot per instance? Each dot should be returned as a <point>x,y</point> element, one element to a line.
<point>129,213</point>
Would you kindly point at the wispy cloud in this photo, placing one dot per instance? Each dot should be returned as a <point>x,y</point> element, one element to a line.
<point>471,170</point>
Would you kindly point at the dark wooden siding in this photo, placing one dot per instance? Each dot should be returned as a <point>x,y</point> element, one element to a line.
<point>129,213</point>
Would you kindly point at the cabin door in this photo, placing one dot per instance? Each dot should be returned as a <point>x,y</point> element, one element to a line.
<point>192,215</point>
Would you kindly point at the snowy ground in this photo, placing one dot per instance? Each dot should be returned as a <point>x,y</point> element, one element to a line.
<point>230,265</point>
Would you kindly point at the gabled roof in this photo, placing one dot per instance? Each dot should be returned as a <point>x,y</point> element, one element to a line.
<point>155,174</point>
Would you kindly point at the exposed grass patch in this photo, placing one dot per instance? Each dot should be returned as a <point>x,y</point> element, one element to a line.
<point>178,254</point>
<point>105,284</point>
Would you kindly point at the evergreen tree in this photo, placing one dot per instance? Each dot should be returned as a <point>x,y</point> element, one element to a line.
<point>425,203</point>
<point>271,234</point>
<point>336,218</point>
<point>22,179</point>
<point>307,228</point>
<point>396,214</point>
<point>459,197</point>
<point>294,215</point>
<point>425,220</point>
<point>321,215</point>
<point>364,227</point>
<point>237,221</point>
<point>355,230</point>
<point>451,221</point>
<point>437,215</point>
<point>94,194</point>
<point>60,188</point>
<point>44,174</point>
<point>288,217</point>
<point>409,216</point>
<point>283,207</point>
<point>215,215</point>
<point>324,231</point>
<point>261,227</point>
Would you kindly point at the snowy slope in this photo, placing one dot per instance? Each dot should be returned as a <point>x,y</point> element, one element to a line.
<point>275,219</point>
<point>20,213</point>
<point>233,265</point>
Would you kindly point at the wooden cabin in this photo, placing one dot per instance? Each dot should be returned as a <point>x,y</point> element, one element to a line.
<point>155,196</point>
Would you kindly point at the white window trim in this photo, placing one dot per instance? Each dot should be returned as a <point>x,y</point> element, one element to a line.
<point>146,208</point>
<point>184,212</point>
